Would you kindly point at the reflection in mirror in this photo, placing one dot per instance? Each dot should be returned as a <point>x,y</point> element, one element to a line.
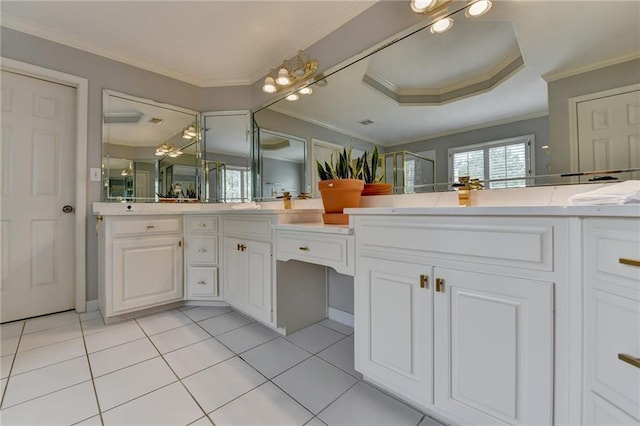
<point>227,157</point>
<point>471,107</point>
<point>283,164</point>
<point>141,141</point>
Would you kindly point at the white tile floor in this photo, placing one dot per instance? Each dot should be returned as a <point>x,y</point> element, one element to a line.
<point>187,366</point>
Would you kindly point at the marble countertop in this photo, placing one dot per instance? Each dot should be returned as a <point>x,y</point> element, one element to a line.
<point>628,210</point>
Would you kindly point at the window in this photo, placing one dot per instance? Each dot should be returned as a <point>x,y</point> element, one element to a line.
<point>237,187</point>
<point>499,163</point>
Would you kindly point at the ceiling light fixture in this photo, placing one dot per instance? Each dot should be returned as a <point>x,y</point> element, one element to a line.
<point>189,133</point>
<point>305,91</point>
<point>292,72</point>
<point>421,6</point>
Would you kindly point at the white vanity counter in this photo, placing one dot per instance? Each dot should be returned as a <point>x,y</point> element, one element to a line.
<point>629,210</point>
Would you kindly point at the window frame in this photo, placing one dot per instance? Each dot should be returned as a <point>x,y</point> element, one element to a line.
<point>530,144</point>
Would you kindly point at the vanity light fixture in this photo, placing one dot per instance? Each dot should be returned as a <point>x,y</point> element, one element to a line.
<point>128,171</point>
<point>189,133</point>
<point>421,6</point>
<point>441,25</point>
<point>292,97</point>
<point>292,72</point>
<point>478,8</point>
<point>305,91</point>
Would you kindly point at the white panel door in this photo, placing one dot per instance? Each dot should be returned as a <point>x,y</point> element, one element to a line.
<point>38,179</point>
<point>493,348</point>
<point>609,133</point>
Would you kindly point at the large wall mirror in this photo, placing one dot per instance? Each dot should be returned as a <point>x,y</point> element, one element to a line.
<point>493,89</point>
<point>150,151</point>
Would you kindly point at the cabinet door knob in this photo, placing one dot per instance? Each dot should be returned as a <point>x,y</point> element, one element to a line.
<point>202,283</point>
<point>150,226</point>
<point>304,248</point>
<point>439,285</point>
<point>424,281</point>
<point>630,262</point>
<point>629,360</point>
<point>180,243</point>
<point>203,225</point>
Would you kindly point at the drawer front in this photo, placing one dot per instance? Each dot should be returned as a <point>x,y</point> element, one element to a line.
<point>520,243</point>
<point>202,250</point>
<point>613,251</point>
<point>251,227</point>
<point>202,283</point>
<point>146,225</point>
<point>202,224</point>
<point>614,328</point>
<point>334,251</point>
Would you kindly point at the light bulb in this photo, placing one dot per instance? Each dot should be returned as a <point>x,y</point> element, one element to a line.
<point>293,97</point>
<point>420,6</point>
<point>305,91</point>
<point>479,8</point>
<point>191,131</point>
<point>441,25</point>
<point>269,85</point>
<point>283,77</point>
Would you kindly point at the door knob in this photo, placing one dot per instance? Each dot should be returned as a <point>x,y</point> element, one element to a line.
<point>67,209</point>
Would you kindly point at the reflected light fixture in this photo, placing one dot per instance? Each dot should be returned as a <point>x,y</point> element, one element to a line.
<point>441,25</point>
<point>292,72</point>
<point>478,8</point>
<point>420,6</point>
<point>128,171</point>
<point>292,97</point>
<point>189,133</point>
<point>167,148</point>
<point>305,91</point>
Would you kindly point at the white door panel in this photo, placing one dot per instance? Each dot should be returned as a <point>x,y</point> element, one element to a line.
<point>609,133</point>
<point>38,173</point>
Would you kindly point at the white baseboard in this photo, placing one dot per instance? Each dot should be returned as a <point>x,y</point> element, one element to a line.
<point>341,316</point>
<point>92,305</point>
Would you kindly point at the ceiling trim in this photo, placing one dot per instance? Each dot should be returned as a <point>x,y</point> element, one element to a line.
<point>439,96</point>
<point>558,75</point>
<point>18,24</point>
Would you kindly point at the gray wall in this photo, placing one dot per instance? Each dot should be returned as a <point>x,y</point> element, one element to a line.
<point>538,126</point>
<point>340,291</point>
<point>619,75</point>
<point>287,173</point>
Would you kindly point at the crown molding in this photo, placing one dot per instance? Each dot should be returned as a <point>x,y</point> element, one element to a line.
<point>558,75</point>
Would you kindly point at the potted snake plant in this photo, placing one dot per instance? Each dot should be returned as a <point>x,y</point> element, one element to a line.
<point>340,185</point>
<point>373,184</point>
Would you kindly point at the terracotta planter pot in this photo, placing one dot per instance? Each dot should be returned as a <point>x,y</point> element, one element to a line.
<point>377,189</point>
<point>339,194</point>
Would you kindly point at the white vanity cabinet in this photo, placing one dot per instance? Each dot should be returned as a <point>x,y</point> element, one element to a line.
<point>248,265</point>
<point>455,314</point>
<point>612,312</point>
<point>142,263</point>
<point>202,257</point>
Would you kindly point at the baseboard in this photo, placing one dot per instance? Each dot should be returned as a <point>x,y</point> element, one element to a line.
<point>341,316</point>
<point>92,305</point>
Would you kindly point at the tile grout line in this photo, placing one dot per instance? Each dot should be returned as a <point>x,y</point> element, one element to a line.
<point>13,361</point>
<point>93,382</point>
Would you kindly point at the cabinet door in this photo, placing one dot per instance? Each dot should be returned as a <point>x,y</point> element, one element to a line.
<point>235,272</point>
<point>258,269</point>
<point>493,348</point>
<point>146,272</point>
<point>394,317</point>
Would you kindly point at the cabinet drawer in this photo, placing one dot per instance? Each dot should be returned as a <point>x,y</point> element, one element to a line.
<point>146,225</point>
<point>335,251</point>
<point>614,329</point>
<point>202,250</point>
<point>508,242</point>
<point>202,224</point>
<point>613,251</point>
<point>250,227</point>
<point>202,282</point>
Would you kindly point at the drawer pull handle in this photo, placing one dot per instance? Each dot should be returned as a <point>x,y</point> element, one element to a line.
<point>202,250</point>
<point>150,226</point>
<point>180,243</point>
<point>304,248</point>
<point>203,225</point>
<point>439,285</point>
<point>424,281</point>
<point>629,360</point>
<point>630,262</point>
<point>202,283</point>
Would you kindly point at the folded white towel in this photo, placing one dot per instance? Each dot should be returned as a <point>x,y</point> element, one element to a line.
<point>627,192</point>
<point>246,206</point>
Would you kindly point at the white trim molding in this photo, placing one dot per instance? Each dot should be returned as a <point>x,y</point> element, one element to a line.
<point>82,103</point>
